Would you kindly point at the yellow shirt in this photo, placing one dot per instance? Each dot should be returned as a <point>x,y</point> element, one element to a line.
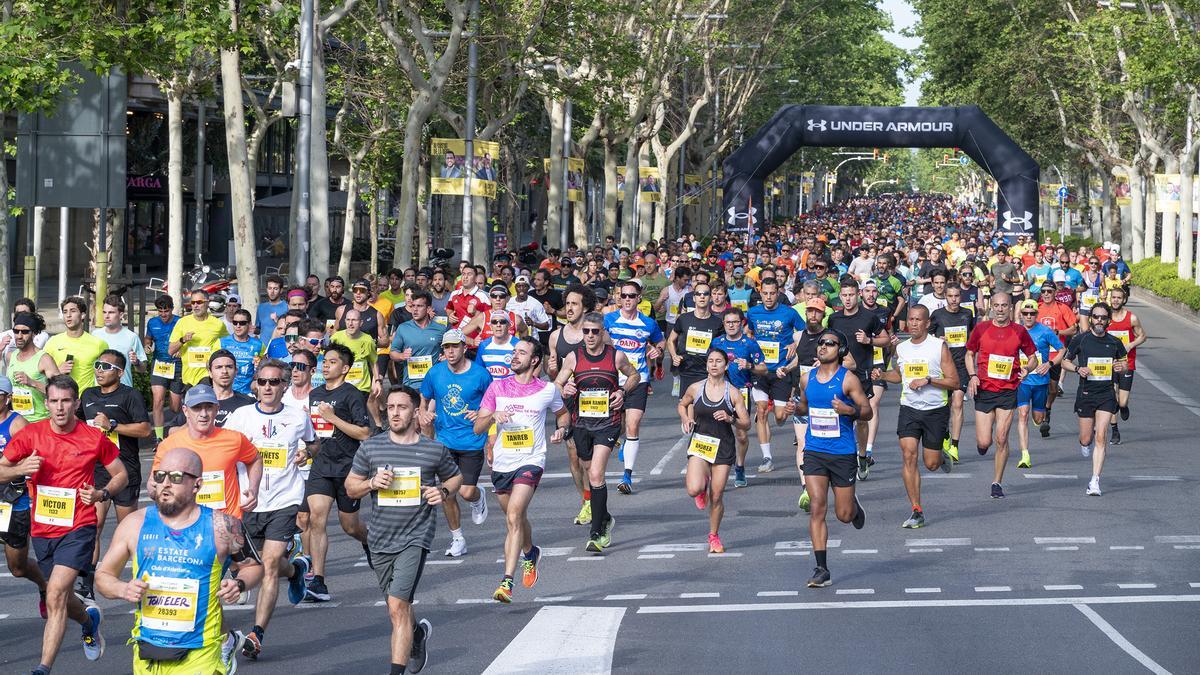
<point>86,349</point>
<point>365,353</point>
<point>206,336</point>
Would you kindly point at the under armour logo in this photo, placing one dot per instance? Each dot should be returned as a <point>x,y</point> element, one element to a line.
<point>735,216</point>
<point>818,125</point>
<point>1011,223</point>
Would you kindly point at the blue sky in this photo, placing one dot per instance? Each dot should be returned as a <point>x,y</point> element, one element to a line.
<point>903,17</point>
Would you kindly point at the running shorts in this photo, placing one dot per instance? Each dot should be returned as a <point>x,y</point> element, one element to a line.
<point>17,534</point>
<point>636,399</point>
<point>840,469</point>
<point>502,483</point>
<point>586,440</point>
<point>334,488</point>
<point>1124,380</point>
<point>1033,395</point>
<point>206,659</point>
<point>989,401</point>
<point>470,464</point>
<point>930,427</point>
<point>399,573</point>
<point>278,525</point>
<point>73,550</point>
<point>1086,406</point>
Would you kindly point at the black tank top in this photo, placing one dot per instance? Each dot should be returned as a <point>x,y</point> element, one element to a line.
<point>562,347</point>
<point>595,380</point>
<point>703,412</point>
<point>370,320</point>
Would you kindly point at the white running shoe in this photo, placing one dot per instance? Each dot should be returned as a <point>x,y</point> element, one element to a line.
<point>479,509</point>
<point>1085,450</point>
<point>767,466</point>
<point>1093,488</point>
<point>458,548</point>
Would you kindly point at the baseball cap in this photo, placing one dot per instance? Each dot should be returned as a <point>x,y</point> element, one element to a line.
<point>200,394</point>
<point>5,385</point>
<point>1059,275</point>
<point>500,314</point>
<point>815,303</point>
<point>739,270</point>
<point>233,298</point>
<point>362,283</point>
<point>869,282</point>
<point>522,279</point>
<point>1028,304</point>
<point>453,336</point>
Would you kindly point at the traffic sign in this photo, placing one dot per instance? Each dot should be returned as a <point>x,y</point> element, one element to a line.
<point>1063,191</point>
<point>964,160</point>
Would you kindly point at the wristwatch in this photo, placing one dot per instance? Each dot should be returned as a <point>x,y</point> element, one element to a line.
<point>104,496</point>
<point>112,425</point>
<point>445,492</point>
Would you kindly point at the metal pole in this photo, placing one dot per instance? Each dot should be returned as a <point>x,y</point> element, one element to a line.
<point>472,75</point>
<point>564,225</point>
<point>101,267</point>
<point>64,215</point>
<point>679,181</point>
<point>304,143</point>
<point>200,140</point>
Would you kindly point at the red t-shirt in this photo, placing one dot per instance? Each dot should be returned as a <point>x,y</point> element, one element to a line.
<point>68,463</point>
<point>997,354</point>
<point>460,301</point>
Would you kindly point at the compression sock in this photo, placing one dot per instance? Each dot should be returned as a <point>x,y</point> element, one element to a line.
<point>398,668</point>
<point>259,631</point>
<point>821,558</point>
<point>631,450</point>
<point>766,450</point>
<point>870,449</point>
<point>599,508</point>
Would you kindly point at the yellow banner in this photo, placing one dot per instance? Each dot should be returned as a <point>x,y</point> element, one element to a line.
<point>1095,191</point>
<point>1121,190</point>
<point>807,180</point>
<point>1166,192</point>
<point>691,188</point>
<point>448,175</point>
<point>650,185</point>
<point>574,177</point>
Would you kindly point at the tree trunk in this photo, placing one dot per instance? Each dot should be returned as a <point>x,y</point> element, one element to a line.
<point>1187,242</point>
<point>175,233</point>
<point>319,246</point>
<point>355,159</point>
<point>240,199</point>
<point>611,196</point>
<point>423,227</point>
<point>377,209</point>
<point>629,216</point>
<point>418,114</point>
<point>1170,231</point>
<point>1152,239</point>
<point>554,186</point>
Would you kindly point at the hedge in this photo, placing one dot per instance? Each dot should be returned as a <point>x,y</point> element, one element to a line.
<point>1162,279</point>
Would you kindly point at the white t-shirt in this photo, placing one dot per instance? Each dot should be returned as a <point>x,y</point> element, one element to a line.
<point>530,310</point>
<point>521,441</point>
<point>933,303</point>
<point>278,436</point>
<point>291,400</point>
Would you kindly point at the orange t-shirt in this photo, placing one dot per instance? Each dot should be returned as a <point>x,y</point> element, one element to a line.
<point>220,454</point>
<point>1056,316</point>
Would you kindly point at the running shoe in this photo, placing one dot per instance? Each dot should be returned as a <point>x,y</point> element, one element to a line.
<point>947,462</point>
<point>367,552</point>
<point>860,515</point>
<point>296,591</point>
<point>593,545</point>
<point>1124,410</point>
<point>479,509</point>
<point>585,514</point>
<point>625,487</point>
<point>1093,488</point>
<point>85,590</point>
<point>295,547</point>
<point>864,469</point>
<point>701,500</point>
<point>1025,462</point>
<point>805,501</point>
<point>503,592</point>
<point>606,536</point>
<point>916,520</point>
<point>251,646</point>
<point>767,465</point>
<point>229,648</point>
<point>1044,428</point>
<point>529,567</point>
<point>1115,436</point>
<point>317,591</point>
<point>870,459</point>
<point>739,477</point>
<point>997,491</point>
<point>457,549</point>
<point>714,544</point>
<point>952,451</point>
<point>621,451</point>
<point>675,386</point>
<point>1085,450</point>
<point>820,578</point>
<point>420,646</point>
<point>93,642</point>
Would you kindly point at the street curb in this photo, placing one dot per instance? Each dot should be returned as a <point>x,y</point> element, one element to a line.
<point>1165,304</point>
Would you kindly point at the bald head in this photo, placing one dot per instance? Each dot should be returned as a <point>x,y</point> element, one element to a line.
<point>182,459</point>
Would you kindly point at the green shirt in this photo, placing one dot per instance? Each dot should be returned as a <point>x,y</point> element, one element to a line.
<point>28,401</point>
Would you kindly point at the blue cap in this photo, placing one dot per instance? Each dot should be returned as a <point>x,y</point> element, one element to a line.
<point>5,385</point>
<point>199,395</point>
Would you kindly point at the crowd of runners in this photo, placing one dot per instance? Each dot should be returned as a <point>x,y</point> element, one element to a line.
<point>261,427</point>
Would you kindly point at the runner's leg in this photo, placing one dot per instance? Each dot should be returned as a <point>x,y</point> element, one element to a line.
<point>318,537</point>
<point>908,470</point>
<point>60,604</point>
<point>401,614</point>
<point>519,537</point>
<point>1004,420</point>
<point>716,499</point>
<point>1103,418</point>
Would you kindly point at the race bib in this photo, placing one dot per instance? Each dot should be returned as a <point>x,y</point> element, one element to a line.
<point>5,516</point>
<point>329,325</point>
<point>418,366</point>
<point>358,373</point>
<point>170,604</point>
<point>1000,367</point>
<point>197,357</point>
<point>273,453</point>
<point>212,490</point>
<point>1089,300</point>
<point>704,447</point>
<point>1039,280</point>
<point>405,489</point>
<point>22,400</point>
<point>877,356</point>
<point>742,305</point>
<point>1100,368</point>
<point>823,423</point>
<point>519,441</point>
<point>593,403</point>
<point>1122,335</point>
<point>164,369</point>
<point>697,341</point>
<point>970,307</point>
<point>770,351</point>
<point>915,370</point>
<point>442,320</point>
<point>55,506</point>
<point>322,426</point>
<point>956,336</point>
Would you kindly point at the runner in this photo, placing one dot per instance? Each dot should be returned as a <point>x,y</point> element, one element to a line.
<point>222,369</point>
<point>773,326</point>
<point>116,336</point>
<point>806,359</point>
<point>285,440</point>
<point>29,369</point>
<point>925,371</point>
<point>246,350</point>
<point>518,406</point>
<point>302,366</point>
<point>865,332</point>
<point>399,469</point>
<point>576,301</point>
<point>1035,386</point>
<point>1126,327</point>
<point>830,446</point>
<point>1095,356</point>
<point>640,338</point>
<point>745,361</point>
<point>180,550</point>
<point>668,303</point>
<point>451,394</point>
<point>14,506</point>
<point>58,458</point>
<point>993,363</point>
<point>166,372</point>
<point>953,324</point>
<point>1058,317</point>
<point>880,356</point>
<point>495,352</point>
<point>709,411</point>
<point>417,342</point>
<point>75,350</point>
<point>691,336</point>
<point>195,337</point>
<point>364,374</point>
<point>588,378</point>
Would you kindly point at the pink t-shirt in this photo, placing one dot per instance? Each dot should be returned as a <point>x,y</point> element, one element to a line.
<point>521,441</point>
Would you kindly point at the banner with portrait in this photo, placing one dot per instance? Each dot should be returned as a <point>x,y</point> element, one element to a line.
<point>692,186</point>
<point>1095,191</point>
<point>450,167</point>
<point>649,184</point>
<point>807,180</point>
<point>1122,192</point>
<point>574,177</point>
<point>1166,192</point>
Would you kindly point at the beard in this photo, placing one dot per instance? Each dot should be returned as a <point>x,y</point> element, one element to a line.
<point>170,508</point>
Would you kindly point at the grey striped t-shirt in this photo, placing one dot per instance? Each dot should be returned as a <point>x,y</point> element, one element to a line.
<point>402,517</point>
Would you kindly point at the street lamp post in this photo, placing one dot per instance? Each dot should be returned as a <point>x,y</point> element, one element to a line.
<point>469,149</point>
<point>304,142</point>
<point>890,181</point>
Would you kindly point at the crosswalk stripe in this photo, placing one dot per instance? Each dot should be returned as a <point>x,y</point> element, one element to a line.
<point>562,640</point>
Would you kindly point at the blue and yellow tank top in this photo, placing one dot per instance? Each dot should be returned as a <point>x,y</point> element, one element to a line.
<point>828,431</point>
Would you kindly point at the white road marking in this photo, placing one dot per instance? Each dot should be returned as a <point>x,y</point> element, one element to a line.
<point>1195,584</point>
<point>656,556</point>
<point>581,558</point>
<point>672,548</point>
<point>804,544</point>
<point>662,463</point>
<point>443,562</point>
<point>993,589</point>
<point>864,551</point>
<point>791,552</point>
<point>1063,587</point>
<point>563,640</point>
<point>1133,586</point>
<point>1187,547</point>
<point>1119,640</point>
<point>1164,478</point>
<point>962,541</point>
<point>940,476</point>
<point>361,564</point>
<point>1181,398</point>
<point>924,550</point>
<point>627,596</point>
<point>691,596</point>
<point>556,551</point>
<point>737,554</point>
<point>905,604</point>
<point>476,601</point>
<point>1178,539</point>
<point>248,607</point>
<point>855,591</point>
<point>1061,548</point>
<point>1053,476</point>
<point>1064,540</point>
<point>6,575</point>
<point>995,549</point>
<point>303,605</point>
<point>923,590</point>
<point>1126,548</point>
<point>781,594</point>
<point>556,598</point>
<point>3,617</point>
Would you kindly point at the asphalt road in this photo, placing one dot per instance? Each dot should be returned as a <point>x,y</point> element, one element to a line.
<point>1045,580</point>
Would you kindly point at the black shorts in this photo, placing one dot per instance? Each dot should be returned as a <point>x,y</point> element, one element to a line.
<point>776,388</point>
<point>470,465</point>
<point>1124,380</point>
<point>1055,372</point>
<point>989,401</point>
<point>502,483</point>
<point>686,381</point>
<point>930,427</point>
<point>1086,406</point>
<point>17,534</point>
<point>73,549</point>
<point>278,525</point>
<point>586,440</point>
<point>840,469</point>
<point>126,496</point>
<point>331,487</point>
<point>963,378</point>
<point>636,399</point>
<point>174,384</point>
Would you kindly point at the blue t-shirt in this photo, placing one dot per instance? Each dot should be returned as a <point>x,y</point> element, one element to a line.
<point>161,334</point>
<point>22,503</point>
<point>631,336</point>
<point>454,394</point>
<point>742,348</point>
<point>426,345</point>
<point>1074,277</point>
<point>266,325</point>
<point>244,353</point>
<point>1045,339</point>
<point>828,431</point>
<point>774,329</point>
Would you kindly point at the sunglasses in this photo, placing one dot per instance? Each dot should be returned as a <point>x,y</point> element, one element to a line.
<point>17,331</point>
<point>1100,317</point>
<point>302,367</point>
<point>240,323</point>
<point>590,331</point>
<point>105,366</point>
<point>499,296</point>
<point>273,381</point>
<point>499,323</point>
<point>1029,313</point>
<point>828,343</point>
<point>290,338</point>
<point>314,341</point>
<point>196,303</point>
<point>629,296</point>
<point>175,477</point>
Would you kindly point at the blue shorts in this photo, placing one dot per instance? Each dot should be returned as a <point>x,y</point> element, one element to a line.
<point>1033,394</point>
